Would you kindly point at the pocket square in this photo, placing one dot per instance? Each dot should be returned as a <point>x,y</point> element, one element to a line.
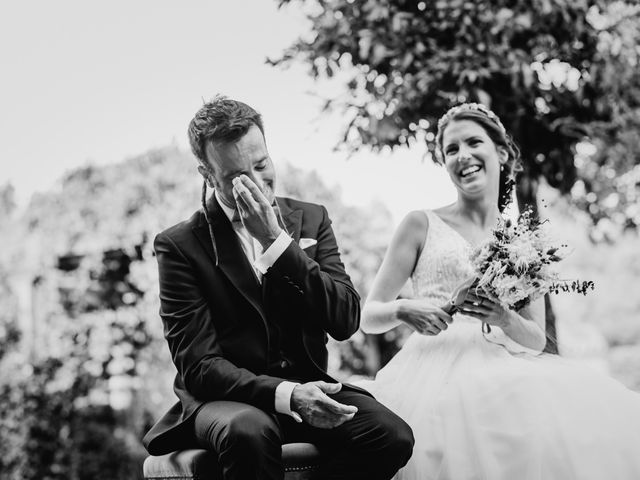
<point>307,242</point>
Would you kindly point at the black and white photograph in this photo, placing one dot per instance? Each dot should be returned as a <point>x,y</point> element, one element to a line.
<point>320,240</point>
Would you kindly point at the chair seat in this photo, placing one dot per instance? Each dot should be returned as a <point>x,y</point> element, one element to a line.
<point>300,461</point>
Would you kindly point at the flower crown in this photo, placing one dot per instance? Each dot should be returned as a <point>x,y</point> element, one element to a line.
<point>467,107</point>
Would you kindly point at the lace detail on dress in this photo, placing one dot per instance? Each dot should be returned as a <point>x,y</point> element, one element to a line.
<point>443,263</point>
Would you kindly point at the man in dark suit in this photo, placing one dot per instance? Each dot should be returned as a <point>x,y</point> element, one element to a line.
<point>250,286</point>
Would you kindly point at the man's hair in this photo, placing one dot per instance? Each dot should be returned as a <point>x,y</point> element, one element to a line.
<point>220,120</point>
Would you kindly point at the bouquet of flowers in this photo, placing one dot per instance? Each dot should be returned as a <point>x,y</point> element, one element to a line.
<point>515,265</point>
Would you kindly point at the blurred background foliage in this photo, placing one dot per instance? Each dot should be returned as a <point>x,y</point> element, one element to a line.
<point>84,369</point>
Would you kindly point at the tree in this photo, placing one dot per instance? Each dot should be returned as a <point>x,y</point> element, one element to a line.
<point>9,332</point>
<point>7,201</point>
<point>558,73</point>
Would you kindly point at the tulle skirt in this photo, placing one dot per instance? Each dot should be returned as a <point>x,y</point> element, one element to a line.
<point>481,411</point>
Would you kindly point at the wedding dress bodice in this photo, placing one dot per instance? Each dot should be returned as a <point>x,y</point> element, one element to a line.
<point>443,264</point>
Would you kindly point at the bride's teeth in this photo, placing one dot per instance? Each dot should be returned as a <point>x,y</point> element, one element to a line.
<point>469,170</point>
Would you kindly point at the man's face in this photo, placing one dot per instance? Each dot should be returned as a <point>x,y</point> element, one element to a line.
<point>248,156</point>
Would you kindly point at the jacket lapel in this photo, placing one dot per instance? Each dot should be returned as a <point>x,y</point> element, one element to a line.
<point>292,220</point>
<point>232,260</point>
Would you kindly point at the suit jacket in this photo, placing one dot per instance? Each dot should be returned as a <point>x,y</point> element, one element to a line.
<point>215,318</point>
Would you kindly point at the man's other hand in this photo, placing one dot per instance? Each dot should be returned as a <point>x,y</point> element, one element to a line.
<point>312,403</point>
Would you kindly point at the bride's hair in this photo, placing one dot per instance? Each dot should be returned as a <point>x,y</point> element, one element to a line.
<point>491,124</point>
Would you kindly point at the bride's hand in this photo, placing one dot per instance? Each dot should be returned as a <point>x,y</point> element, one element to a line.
<point>459,295</point>
<point>485,307</point>
<point>423,317</point>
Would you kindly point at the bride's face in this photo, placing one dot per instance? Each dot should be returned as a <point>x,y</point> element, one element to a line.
<point>472,159</point>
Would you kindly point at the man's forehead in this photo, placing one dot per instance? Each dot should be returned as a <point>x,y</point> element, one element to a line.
<point>251,140</point>
<point>217,150</point>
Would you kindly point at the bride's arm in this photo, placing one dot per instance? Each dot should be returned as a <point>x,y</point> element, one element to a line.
<point>382,310</point>
<point>527,325</point>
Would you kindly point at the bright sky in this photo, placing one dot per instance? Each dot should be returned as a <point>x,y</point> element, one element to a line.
<point>98,82</point>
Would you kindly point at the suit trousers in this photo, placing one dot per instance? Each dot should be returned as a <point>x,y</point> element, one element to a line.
<point>373,445</point>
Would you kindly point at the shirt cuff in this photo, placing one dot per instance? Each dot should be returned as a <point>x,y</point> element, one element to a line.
<point>284,390</point>
<point>271,254</point>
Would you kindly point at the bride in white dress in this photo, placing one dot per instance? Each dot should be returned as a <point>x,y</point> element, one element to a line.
<point>487,406</point>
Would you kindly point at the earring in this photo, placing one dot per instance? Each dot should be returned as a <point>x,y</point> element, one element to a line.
<point>502,168</point>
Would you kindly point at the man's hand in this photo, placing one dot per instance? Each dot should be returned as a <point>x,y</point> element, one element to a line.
<point>256,213</point>
<point>311,402</point>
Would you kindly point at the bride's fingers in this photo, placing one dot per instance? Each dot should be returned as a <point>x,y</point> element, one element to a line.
<point>421,327</point>
<point>432,331</point>
<point>439,323</point>
<point>474,305</point>
<point>479,299</point>
<point>474,310</point>
<point>480,304</point>
<point>428,327</point>
<point>444,316</point>
<point>487,297</point>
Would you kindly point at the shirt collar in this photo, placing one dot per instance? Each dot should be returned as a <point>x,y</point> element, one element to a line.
<point>229,212</point>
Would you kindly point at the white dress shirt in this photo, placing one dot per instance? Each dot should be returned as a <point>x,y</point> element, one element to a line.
<point>261,262</point>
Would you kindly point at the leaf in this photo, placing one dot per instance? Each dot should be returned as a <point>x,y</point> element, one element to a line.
<point>483,97</point>
<point>364,43</point>
<point>379,54</point>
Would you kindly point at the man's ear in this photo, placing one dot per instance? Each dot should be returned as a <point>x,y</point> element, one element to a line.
<point>206,175</point>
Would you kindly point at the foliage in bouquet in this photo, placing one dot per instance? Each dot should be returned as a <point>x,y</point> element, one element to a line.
<point>516,264</point>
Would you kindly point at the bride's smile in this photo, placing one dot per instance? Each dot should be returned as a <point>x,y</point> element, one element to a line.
<point>470,170</point>
<point>471,157</point>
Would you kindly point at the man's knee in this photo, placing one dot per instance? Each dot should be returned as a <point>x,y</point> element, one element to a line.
<point>379,442</point>
<point>400,439</point>
<point>252,431</point>
<point>224,426</point>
